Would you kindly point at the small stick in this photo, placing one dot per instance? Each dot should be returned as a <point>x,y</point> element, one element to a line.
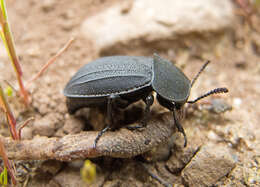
<point>51,61</point>
<point>10,117</point>
<point>23,125</point>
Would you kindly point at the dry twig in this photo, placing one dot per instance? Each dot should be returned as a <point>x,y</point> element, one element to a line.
<point>51,61</point>
<point>122,143</point>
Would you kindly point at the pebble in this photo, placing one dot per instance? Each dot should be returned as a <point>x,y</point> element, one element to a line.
<point>208,166</point>
<point>73,125</point>
<point>237,102</point>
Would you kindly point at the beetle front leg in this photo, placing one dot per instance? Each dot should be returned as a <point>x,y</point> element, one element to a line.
<point>110,111</point>
<point>179,127</point>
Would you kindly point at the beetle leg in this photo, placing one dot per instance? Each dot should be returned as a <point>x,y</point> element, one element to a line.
<point>110,118</point>
<point>179,127</point>
<point>160,180</point>
<point>149,102</point>
<point>110,112</point>
<point>100,133</point>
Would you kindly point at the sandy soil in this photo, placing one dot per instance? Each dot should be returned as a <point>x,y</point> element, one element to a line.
<point>40,28</point>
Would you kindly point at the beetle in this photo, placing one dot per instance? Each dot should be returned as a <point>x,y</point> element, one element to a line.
<point>118,81</point>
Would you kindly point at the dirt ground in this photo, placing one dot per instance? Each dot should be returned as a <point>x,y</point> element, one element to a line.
<point>41,28</point>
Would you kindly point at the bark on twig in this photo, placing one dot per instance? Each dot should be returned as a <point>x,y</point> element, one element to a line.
<point>121,143</point>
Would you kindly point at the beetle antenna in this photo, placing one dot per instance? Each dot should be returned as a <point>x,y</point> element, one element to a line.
<point>215,91</point>
<point>201,69</point>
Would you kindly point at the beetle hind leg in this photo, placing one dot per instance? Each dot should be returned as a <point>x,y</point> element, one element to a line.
<point>180,128</point>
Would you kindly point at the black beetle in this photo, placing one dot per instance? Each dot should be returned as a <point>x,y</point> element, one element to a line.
<point>118,81</point>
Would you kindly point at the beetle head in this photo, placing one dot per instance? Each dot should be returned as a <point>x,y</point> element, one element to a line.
<point>168,104</point>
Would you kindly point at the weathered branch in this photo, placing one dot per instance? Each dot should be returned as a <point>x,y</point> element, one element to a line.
<point>121,143</point>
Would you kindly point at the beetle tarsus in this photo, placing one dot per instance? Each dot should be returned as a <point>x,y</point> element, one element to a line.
<point>180,128</point>
<point>99,135</point>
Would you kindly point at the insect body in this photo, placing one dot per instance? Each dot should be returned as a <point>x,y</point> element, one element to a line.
<point>118,81</point>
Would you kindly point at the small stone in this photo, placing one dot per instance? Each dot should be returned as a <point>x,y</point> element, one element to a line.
<point>73,125</point>
<point>51,166</point>
<point>48,5</point>
<point>69,14</point>
<point>208,166</point>
<point>26,133</point>
<point>237,102</point>
<point>62,108</point>
<point>44,126</point>
<point>76,164</point>
<point>213,136</point>
<point>219,106</point>
<point>59,133</point>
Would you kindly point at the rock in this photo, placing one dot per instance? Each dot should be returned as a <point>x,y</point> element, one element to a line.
<point>208,166</point>
<point>179,159</point>
<point>150,20</point>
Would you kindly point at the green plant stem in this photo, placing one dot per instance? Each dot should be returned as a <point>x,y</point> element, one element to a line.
<point>7,38</point>
<point>6,162</point>
<point>10,116</point>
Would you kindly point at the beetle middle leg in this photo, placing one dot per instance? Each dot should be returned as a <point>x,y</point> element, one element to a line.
<point>110,112</point>
<point>149,102</point>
